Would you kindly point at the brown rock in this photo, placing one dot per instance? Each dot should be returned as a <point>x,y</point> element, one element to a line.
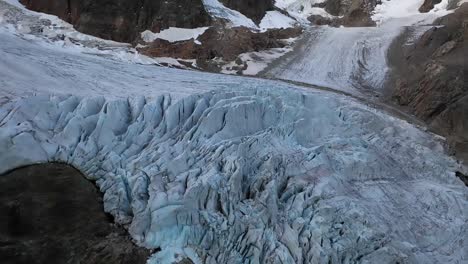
<point>430,77</point>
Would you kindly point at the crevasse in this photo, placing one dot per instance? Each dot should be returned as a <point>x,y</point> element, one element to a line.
<point>253,176</point>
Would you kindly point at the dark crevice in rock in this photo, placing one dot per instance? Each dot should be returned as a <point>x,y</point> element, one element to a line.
<point>51,214</point>
<point>462,177</point>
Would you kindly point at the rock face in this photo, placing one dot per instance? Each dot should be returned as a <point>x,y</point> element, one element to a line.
<point>51,214</point>
<point>123,20</point>
<point>350,13</point>
<point>430,77</point>
<point>253,9</point>
<point>428,5</point>
<point>220,42</point>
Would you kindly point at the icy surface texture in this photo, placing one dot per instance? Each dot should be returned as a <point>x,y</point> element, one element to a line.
<point>30,67</point>
<point>253,176</point>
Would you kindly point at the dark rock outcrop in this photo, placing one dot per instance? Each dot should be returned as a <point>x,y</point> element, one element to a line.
<point>430,77</point>
<point>51,214</point>
<point>428,5</point>
<point>220,42</point>
<point>123,20</point>
<point>253,9</point>
<point>351,13</point>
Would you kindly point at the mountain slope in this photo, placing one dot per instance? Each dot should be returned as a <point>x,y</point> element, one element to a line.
<point>430,77</point>
<point>224,169</point>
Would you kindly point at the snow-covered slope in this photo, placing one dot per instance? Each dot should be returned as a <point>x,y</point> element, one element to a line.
<point>233,17</point>
<point>302,9</point>
<point>222,169</point>
<point>353,59</point>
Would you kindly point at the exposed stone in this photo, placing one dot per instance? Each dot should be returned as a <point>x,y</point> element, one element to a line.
<point>123,20</point>
<point>430,77</point>
<point>51,214</point>
<point>321,20</point>
<point>220,42</point>
<point>428,5</point>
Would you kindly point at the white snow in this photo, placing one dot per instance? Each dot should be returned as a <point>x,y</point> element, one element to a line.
<point>234,18</point>
<point>173,34</point>
<point>275,19</point>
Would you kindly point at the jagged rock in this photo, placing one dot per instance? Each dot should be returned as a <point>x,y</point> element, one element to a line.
<point>429,77</point>
<point>253,9</point>
<point>51,214</point>
<point>225,43</point>
<point>428,5</point>
<point>123,20</point>
<point>321,20</point>
<point>350,13</point>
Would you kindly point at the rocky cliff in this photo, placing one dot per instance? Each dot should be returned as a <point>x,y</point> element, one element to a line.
<point>52,214</point>
<point>123,20</point>
<point>253,9</point>
<point>430,77</point>
<point>351,13</point>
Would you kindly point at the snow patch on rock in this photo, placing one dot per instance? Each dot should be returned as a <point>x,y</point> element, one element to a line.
<point>252,63</point>
<point>389,9</point>
<point>302,9</point>
<point>174,34</point>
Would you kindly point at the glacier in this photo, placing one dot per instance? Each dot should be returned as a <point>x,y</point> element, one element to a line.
<point>253,176</point>
<point>225,169</point>
<point>353,59</point>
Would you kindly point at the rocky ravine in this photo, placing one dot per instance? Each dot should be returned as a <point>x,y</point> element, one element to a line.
<point>430,77</point>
